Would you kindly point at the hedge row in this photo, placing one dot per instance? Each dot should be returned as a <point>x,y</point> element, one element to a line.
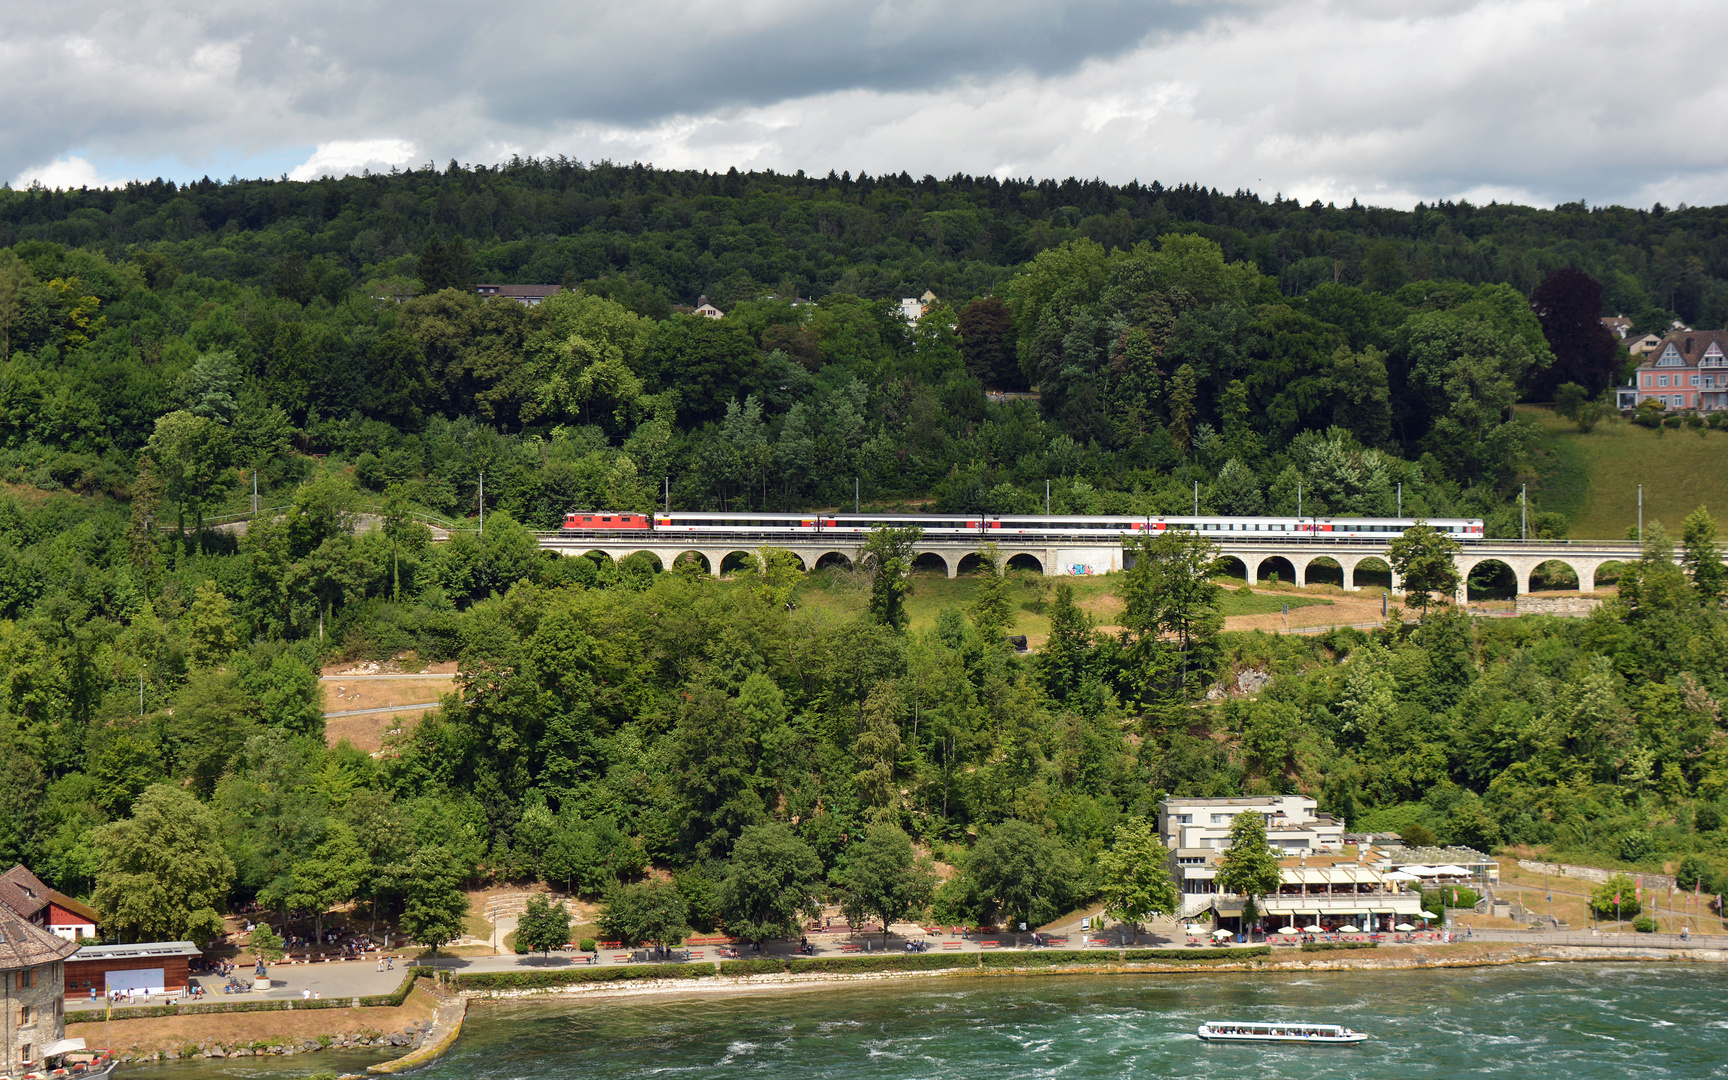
<point>1047,957</point>
<point>1331,946</point>
<point>759,966</point>
<point>896,962</point>
<point>1168,955</point>
<point>189,1008</point>
<point>534,980</point>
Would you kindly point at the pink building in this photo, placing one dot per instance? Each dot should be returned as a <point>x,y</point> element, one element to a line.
<point>1687,370</point>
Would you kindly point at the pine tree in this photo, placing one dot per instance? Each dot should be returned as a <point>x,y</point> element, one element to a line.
<point>1068,653</point>
<point>992,612</point>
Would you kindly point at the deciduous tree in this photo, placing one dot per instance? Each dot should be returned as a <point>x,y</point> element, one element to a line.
<point>333,875</point>
<point>1136,881</point>
<point>771,883</point>
<point>647,912</point>
<point>164,874</point>
<point>1248,867</point>
<point>543,926</point>
<point>436,908</point>
<point>1423,558</point>
<point>883,879</point>
<point>1568,304</point>
<point>887,557</point>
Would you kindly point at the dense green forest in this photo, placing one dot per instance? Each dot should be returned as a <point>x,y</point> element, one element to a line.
<point>164,349</point>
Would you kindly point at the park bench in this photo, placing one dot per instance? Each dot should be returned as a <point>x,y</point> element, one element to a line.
<point>951,944</point>
<point>622,958</point>
<point>851,947</point>
<point>989,944</point>
<point>609,944</point>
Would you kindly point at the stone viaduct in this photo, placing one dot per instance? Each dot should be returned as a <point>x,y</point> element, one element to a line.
<point>1291,557</point>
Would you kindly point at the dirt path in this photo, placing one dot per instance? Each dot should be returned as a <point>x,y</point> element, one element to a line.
<point>365,706</point>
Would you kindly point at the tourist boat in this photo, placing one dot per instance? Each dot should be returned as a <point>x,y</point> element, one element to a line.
<point>1279,1032</point>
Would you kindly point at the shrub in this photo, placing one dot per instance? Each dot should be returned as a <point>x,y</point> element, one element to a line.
<point>1635,845</point>
<point>1694,872</point>
<point>1708,817</point>
<point>1337,946</point>
<point>1047,958</point>
<point>1166,955</point>
<point>1452,896</point>
<point>1644,924</point>
<point>1418,836</point>
<point>899,962</point>
<point>586,944</point>
<point>1602,900</point>
<point>762,966</point>
<point>535,980</point>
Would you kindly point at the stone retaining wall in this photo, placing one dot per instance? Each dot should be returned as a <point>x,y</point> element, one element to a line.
<point>1595,874</point>
<point>1573,606</point>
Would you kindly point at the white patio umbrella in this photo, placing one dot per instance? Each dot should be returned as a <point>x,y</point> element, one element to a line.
<point>1403,926</point>
<point>1288,930</point>
<point>1426,914</point>
<point>1418,870</point>
<point>1402,875</point>
<point>1449,870</point>
<point>1222,933</point>
<point>1314,928</point>
<point>1348,929</point>
<point>1194,928</point>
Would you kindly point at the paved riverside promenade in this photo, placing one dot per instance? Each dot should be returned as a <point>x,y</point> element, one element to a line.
<point>360,978</point>
<point>835,946</point>
<point>332,979</point>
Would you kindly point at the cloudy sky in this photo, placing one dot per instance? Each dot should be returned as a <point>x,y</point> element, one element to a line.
<point>1389,101</point>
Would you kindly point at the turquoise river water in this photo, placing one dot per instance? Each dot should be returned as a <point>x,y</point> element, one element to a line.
<point>1572,1021</point>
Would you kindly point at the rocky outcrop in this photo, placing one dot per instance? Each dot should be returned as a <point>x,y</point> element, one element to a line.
<point>1247,683</point>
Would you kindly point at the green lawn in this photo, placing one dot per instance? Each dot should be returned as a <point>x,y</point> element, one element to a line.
<point>1593,479</point>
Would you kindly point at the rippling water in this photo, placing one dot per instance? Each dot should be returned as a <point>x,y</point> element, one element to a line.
<point>1576,1021</point>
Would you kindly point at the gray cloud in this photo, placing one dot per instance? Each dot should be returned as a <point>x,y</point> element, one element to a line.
<point>253,72</point>
<point>1540,100</point>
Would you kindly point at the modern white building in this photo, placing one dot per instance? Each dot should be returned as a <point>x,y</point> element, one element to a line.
<point>1293,827</point>
<point>1324,891</point>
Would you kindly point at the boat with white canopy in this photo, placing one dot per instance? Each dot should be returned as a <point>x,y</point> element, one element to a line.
<point>1279,1032</point>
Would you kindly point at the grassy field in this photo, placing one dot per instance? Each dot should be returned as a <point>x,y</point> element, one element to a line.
<point>848,593</point>
<point>1593,479</point>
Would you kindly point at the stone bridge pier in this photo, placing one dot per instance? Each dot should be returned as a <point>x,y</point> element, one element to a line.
<point>1057,557</point>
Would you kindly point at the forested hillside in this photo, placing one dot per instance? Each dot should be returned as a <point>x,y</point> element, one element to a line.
<point>162,350</point>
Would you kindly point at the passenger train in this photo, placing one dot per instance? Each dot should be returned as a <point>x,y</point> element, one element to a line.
<point>967,526</point>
